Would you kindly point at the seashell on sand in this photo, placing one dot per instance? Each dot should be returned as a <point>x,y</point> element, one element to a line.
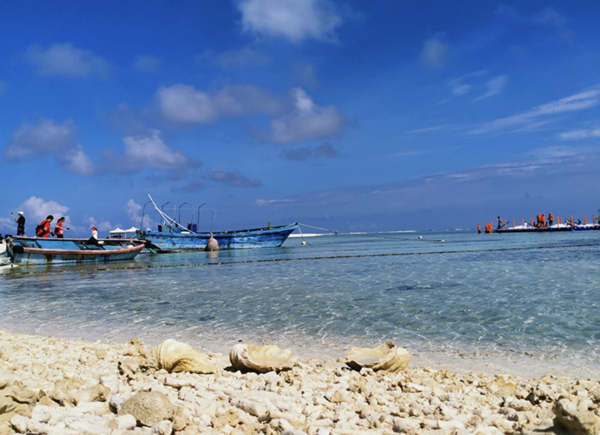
<point>175,356</point>
<point>387,356</point>
<point>261,359</point>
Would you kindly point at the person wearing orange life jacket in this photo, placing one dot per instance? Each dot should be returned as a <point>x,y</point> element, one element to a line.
<point>543,220</point>
<point>550,219</point>
<point>500,225</point>
<point>539,220</point>
<point>478,228</point>
<point>43,229</point>
<point>488,228</point>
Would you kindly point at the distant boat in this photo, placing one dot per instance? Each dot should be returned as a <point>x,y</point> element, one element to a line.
<point>37,250</point>
<point>173,236</point>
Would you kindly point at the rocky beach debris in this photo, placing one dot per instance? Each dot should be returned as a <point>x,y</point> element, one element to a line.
<point>261,359</point>
<point>74,387</point>
<point>387,357</point>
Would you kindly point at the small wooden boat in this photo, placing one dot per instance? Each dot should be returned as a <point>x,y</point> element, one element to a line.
<point>171,235</point>
<point>172,238</point>
<point>37,250</point>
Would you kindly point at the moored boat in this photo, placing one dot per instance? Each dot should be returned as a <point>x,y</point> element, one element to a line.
<point>172,238</point>
<point>171,235</point>
<point>36,250</point>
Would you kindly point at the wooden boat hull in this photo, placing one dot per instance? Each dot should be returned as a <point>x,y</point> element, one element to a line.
<point>170,240</point>
<point>34,250</point>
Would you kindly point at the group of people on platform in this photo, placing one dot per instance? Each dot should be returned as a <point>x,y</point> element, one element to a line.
<point>541,220</point>
<point>44,229</point>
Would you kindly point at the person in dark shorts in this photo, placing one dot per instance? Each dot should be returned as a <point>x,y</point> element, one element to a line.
<point>20,224</point>
<point>59,229</point>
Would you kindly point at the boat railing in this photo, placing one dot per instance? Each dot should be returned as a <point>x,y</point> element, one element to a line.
<point>212,220</point>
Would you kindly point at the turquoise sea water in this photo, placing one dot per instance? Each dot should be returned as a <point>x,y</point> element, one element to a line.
<point>473,295</point>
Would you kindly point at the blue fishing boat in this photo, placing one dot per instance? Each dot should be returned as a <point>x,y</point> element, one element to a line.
<point>172,238</point>
<point>37,250</point>
<point>171,235</point>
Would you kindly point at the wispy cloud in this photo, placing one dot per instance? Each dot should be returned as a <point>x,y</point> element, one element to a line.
<point>580,134</point>
<point>580,101</point>
<point>428,129</point>
<point>433,54</point>
<point>494,87</point>
<point>295,20</point>
<point>66,60</point>
<point>266,202</point>
<point>146,63</point>
<point>244,57</point>
<point>234,179</point>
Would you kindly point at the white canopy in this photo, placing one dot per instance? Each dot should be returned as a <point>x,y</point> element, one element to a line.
<point>121,231</point>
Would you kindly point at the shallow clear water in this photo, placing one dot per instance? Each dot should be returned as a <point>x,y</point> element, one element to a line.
<point>429,296</point>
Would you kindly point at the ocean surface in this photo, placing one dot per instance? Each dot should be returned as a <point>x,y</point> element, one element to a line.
<point>527,303</point>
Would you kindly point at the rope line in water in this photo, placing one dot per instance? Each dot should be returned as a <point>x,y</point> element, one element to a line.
<point>332,257</point>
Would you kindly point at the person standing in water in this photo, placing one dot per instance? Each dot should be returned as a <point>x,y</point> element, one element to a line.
<point>20,224</point>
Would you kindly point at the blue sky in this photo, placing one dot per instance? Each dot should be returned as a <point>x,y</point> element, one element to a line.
<point>351,115</point>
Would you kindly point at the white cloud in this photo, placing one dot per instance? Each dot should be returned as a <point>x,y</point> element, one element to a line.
<point>33,141</point>
<point>47,137</point>
<point>495,86</point>
<point>66,60</point>
<point>39,208</point>
<point>133,211</point>
<point>295,20</point>
<point>264,202</point>
<point>183,104</point>
<point>146,63</point>
<point>580,134</point>
<point>580,101</point>
<point>306,122</point>
<point>105,226</point>
<point>433,54</point>
<point>150,150</point>
<point>77,162</point>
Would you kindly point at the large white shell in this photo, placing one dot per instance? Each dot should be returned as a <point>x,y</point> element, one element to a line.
<point>175,356</point>
<point>387,356</point>
<point>261,359</point>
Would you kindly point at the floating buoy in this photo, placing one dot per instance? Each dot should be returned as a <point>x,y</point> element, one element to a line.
<point>212,244</point>
<point>304,242</point>
<point>420,237</point>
